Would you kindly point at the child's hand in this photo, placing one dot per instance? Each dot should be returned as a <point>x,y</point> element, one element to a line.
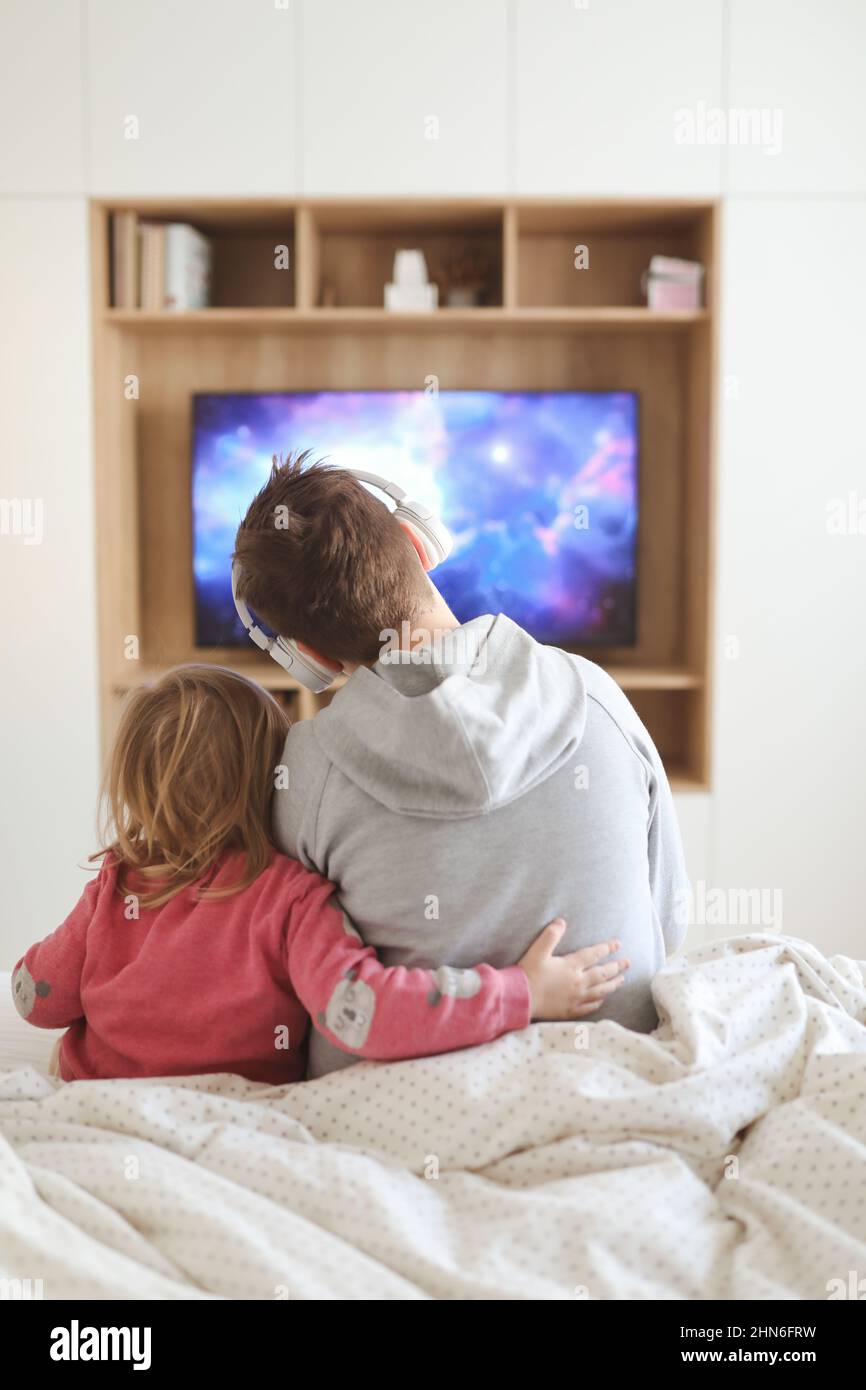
<point>564,987</point>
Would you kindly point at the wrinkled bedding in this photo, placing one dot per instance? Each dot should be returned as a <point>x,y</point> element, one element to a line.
<point>723,1156</point>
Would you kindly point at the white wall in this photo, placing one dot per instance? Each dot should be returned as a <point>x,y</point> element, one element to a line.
<point>531,97</point>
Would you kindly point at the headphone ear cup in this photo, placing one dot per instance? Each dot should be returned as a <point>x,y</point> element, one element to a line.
<point>306,670</point>
<point>430,530</point>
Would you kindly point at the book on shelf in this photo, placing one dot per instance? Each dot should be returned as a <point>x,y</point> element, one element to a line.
<point>188,268</point>
<point>124,260</point>
<point>152,286</point>
<point>159,266</point>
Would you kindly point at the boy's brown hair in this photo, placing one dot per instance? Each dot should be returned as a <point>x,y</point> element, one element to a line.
<point>324,562</point>
<point>190,777</point>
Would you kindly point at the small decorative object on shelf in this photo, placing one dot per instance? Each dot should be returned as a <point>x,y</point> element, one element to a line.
<point>673,284</point>
<point>410,291</point>
<point>465,277</point>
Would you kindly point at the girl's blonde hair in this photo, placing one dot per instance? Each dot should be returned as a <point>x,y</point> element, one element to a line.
<point>190,776</point>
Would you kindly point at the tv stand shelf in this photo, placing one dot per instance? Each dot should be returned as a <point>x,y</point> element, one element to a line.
<point>537,323</point>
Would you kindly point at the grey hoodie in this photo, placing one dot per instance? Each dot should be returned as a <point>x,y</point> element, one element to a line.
<point>462,803</point>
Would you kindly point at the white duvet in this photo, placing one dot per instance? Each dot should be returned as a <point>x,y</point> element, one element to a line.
<point>724,1156</point>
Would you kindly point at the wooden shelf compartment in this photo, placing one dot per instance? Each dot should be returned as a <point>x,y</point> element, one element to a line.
<point>592,255</point>
<point>250,248</point>
<point>349,250</point>
<point>676,721</point>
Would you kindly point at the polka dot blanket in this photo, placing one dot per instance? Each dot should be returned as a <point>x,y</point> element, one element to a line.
<point>722,1156</point>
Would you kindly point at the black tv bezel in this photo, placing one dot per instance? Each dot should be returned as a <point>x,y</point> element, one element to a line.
<point>590,644</point>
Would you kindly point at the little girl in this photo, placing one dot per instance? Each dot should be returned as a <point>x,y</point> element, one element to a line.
<point>199,948</point>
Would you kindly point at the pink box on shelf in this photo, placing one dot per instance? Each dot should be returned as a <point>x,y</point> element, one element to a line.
<point>671,284</point>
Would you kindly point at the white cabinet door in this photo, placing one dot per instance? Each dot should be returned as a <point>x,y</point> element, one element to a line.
<point>404,98</point>
<point>191,98</point>
<point>800,67</point>
<point>41,97</point>
<point>612,97</point>
<point>48,734</point>
<point>790,725</point>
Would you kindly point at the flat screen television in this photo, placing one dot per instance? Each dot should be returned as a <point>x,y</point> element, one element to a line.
<point>538,487</point>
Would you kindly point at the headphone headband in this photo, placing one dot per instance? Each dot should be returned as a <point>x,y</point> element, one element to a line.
<point>393,490</point>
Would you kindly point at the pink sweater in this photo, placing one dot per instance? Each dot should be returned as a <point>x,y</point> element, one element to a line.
<point>228,985</point>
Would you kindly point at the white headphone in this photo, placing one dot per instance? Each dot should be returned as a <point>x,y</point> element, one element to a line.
<point>307,671</point>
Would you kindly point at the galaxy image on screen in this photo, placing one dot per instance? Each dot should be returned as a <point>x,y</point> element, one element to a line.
<point>539,490</point>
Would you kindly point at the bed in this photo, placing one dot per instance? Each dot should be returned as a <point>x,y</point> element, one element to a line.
<point>722,1156</point>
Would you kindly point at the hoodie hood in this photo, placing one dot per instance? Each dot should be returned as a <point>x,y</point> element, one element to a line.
<point>486,716</point>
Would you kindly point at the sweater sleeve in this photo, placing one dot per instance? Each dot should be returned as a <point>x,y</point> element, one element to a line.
<point>46,982</point>
<point>669,882</point>
<point>391,1012</point>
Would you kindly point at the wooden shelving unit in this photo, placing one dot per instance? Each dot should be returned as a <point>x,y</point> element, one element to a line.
<point>541,325</point>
